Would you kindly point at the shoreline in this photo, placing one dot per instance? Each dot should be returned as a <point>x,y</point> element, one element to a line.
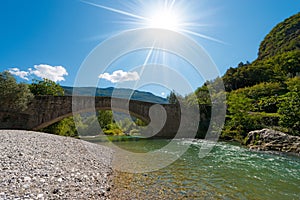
<point>37,165</point>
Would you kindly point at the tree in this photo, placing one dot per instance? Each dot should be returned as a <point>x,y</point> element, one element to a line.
<point>172,98</point>
<point>262,90</point>
<point>285,64</point>
<point>14,96</point>
<point>293,84</point>
<point>105,118</point>
<point>239,106</point>
<point>203,95</point>
<point>290,112</point>
<point>46,87</point>
<point>126,125</point>
<point>247,75</point>
<point>289,107</point>
<point>65,127</point>
<point>240,120</point>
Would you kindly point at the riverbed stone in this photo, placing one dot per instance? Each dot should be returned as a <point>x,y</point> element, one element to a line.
<point>52,167</point>
<point>271,140</point>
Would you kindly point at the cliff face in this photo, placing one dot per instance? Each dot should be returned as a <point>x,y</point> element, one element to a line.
<point>284,37</point>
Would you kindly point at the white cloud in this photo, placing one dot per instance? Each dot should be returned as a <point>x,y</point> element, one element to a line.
<point>19,73</point>
<point>54,73</point>
<point>120,76</point>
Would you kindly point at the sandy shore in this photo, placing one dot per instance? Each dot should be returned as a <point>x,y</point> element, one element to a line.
<point>42,166</point>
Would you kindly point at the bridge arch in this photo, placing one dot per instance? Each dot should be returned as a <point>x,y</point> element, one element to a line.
<point>59,118</point>
<point>46,110</point>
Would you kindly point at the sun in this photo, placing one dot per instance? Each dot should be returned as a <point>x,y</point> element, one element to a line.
<point>162,14</point>
<point>164,19</point>
<point>159,14</point>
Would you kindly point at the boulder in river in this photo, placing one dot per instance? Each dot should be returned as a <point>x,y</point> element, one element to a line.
<point>271,140</point>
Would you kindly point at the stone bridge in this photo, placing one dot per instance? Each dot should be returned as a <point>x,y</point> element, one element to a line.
<point>46,110</point>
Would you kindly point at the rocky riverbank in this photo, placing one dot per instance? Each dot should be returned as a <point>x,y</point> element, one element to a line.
<point>271,140</point>
<point>42,166</point>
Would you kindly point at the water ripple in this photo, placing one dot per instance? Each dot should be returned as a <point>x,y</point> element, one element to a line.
<point>229,171</point>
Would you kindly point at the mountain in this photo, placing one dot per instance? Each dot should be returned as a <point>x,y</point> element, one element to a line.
<point>117,92</point>
<point>266,92</point>
<point>278,58</point>
<point>284,37</point>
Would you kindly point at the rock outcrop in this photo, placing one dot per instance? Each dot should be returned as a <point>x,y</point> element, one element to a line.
<point>271,140</point>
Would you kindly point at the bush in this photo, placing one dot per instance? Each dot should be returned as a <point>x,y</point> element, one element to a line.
<point>65,127</point>
<point>114,132</point>
<point>289,110</point>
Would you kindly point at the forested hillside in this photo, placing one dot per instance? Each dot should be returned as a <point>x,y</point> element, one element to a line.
<point>266,92</point>
<point>283,38</point>
<point>278,58</point>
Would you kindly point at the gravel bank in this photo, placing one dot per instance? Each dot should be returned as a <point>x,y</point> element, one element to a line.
<point>42,166</point>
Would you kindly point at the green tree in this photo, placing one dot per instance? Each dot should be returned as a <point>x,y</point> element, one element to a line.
<point>105,118</point>
<point>285,64</point>
<point>247,75</point>
<point>126,125</point>
<point>89,126</point>
<point>265,95</point>
<point>289,110</point>
<point>65,127</point>
<point>46,87</point>
<point>140,122</point>
<point>261,90</point>
<point>239,106</point>
<point>240,120</point>
<point>293,84</point>
<point>172,98</point>
<point>203,96</point>
<point>267,104</point>
<point>14,96</point>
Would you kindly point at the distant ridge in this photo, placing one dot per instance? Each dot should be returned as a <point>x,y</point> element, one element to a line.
<point>118,92</point>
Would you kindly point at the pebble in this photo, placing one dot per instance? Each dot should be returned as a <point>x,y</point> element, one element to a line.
<point>42,180</point>
<point>43,166</point>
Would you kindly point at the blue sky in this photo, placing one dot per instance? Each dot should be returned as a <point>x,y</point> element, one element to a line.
<point>52,38</point>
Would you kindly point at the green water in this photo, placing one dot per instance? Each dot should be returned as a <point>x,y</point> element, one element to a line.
<point>229,171</point>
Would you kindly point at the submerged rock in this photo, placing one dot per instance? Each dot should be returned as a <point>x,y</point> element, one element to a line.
<point>271,140</point>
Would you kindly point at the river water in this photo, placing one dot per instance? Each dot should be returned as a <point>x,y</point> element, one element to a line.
<point>229,171</point>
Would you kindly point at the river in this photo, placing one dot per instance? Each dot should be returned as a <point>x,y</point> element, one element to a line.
<point>229,171</point>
